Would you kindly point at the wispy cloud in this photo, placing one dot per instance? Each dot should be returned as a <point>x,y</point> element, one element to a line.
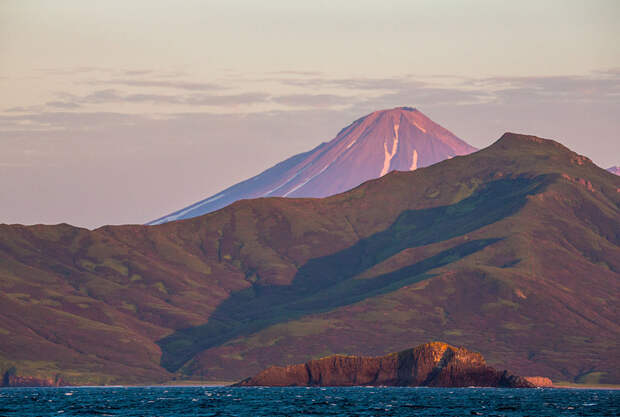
<point>132,73</point>
<point>71,71</point>
<point>111,95</point>
<point>149,92</point>
<point>109,71</point>
<point>292,72</point>
<point>597,87</point>
<point>227,100</point>
<point>157,83</point>
<point>313,100</point>
<point>62,105</point>
<point>24,109</point>
<point>54,121</point>
<point>351,83</point>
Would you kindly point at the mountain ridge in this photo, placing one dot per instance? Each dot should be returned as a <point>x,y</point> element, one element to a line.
<point>517,241</point>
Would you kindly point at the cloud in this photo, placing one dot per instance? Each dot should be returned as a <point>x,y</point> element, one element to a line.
<point>301,90</point>
<point>101,96</point>
<point>313,100</point>
<point>290,72</point>
<point>352,83</point>
<point>226,100</point>
<point>111,95</point>
<point>54,121</point>
<point>62,104</point>
<point>601,86</point>
<point>107,71</point>
<point>132,73</point>
<point>71,71</point>
<point>354,94</point>
<point>24,109</point>
<point>157,83</point>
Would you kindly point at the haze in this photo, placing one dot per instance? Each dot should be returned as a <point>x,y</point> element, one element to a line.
<point>120,112</point>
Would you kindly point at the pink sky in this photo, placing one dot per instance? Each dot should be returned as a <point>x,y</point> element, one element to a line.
<point>120,112</point>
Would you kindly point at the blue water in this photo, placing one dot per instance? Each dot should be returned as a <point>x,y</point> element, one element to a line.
<point>356,401</point>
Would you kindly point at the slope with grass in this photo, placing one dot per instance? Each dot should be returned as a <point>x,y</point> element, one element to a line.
<point>513,250</point>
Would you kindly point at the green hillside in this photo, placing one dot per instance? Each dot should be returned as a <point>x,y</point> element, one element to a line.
<point>513,251</point>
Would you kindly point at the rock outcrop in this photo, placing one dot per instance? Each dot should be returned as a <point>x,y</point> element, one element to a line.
<point>433,364</point>
<point>539,381</point>
<point>10,379</point>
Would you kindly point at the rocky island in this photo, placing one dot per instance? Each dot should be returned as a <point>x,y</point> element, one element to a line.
<point>434,364</point>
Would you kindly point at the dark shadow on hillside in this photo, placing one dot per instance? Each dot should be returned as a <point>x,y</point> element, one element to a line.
<point>325,283</point>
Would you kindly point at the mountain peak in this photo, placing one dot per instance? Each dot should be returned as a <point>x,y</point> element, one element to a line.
<point>545,152</point>
<point>513,138</point>
<point>396,110</point>
<point>401,138</point>
<point>522,142</point>
<point>408,115</point>
<point>614,170</point>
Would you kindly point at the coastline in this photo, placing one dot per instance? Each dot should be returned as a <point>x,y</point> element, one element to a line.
<point>218,383</point>
<point>228,384</point>
<point>569,385</point>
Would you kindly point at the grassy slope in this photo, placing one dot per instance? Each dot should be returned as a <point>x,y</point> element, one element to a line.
<point>512,251</point>
<point>541,300</point>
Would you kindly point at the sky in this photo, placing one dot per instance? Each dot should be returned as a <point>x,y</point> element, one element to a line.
<point>120,112</point>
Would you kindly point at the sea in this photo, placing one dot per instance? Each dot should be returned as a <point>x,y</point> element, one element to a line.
<point>349,401</point>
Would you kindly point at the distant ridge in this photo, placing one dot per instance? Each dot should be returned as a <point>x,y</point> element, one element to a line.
<point>402,139</point>
<point>614,170</point>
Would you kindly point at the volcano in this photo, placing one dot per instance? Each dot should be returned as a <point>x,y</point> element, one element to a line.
<point>401,139</point>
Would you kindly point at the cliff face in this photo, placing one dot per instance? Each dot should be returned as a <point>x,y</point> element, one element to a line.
<point>539,381</point>
<point>433,364</point>
<point>11,380</point>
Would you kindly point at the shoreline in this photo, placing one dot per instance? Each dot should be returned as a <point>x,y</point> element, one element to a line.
<point>577,386</point>
<point>214,384</point>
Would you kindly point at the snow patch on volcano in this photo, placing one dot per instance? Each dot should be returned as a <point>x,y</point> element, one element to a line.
<point>389,155</point>
<point>414,161</point>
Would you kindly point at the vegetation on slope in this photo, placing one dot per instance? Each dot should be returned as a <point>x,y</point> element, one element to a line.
<point>513,250</point>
